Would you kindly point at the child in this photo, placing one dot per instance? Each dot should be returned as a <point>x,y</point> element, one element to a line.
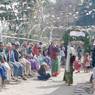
<point>86,62</point>
<point>77,65</point>
<point>42,73</point>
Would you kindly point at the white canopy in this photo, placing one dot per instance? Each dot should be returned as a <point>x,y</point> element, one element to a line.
<point>77,34</point>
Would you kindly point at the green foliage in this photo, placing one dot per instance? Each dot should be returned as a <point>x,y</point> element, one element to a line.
<point>87,13</point>
<point>67,38</point>
<point>87,45</point>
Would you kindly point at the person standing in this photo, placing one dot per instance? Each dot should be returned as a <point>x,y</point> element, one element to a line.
<point>77,65</point>
<point>54,54</point>
<point>68,75</point>
<point>86,63</point>
<point>79,51</point>
<point>62,54</point>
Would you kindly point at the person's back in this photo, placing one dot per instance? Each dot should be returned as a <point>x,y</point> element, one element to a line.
<point>16,55</point>
<point>42,73</point>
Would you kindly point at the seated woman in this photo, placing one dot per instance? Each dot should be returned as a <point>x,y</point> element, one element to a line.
<point>42,73</point>
<point>34,63</point>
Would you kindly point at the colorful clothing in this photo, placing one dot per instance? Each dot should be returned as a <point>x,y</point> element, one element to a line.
<point>68,75</point>
<point>13,58</point>
<point>36,50</point>
<point>3,72</point>
<point>47,60</point>
<point>77,65</point>
<point>42,73</point>
<point>55,61</point>
<point>34,64</point>
<point>55,67</point>
<point>5,65</point>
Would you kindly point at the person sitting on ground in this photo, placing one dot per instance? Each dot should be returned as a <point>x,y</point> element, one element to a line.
<point>42,73</point>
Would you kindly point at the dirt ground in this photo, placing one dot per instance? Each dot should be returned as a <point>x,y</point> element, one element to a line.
<point>54,86</point>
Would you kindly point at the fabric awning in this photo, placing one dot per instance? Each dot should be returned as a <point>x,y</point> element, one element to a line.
<point>77,34</point>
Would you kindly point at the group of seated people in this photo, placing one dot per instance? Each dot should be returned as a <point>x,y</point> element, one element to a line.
<point>18,61</point>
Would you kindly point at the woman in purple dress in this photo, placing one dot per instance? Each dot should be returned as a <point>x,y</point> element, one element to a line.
<point>34,63</point>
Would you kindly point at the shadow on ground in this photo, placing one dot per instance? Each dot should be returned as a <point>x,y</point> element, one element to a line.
<point>63,89</point>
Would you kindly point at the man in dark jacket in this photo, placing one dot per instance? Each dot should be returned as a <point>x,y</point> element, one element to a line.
<point>17,63</point>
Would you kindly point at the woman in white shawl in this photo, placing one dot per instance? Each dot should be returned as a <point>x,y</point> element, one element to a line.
<point>68,76</point>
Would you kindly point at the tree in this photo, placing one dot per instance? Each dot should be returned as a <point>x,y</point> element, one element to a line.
<point>17,13</point>
<point>87,13</point>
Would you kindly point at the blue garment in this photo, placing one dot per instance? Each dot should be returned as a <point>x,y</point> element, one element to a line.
<point>29,50</point>
<point>42,74</point>
<point>3,73</point>
<point>47,60</point>
<point>45,77</point>
<point>16,55</point>
<point>18,68</point>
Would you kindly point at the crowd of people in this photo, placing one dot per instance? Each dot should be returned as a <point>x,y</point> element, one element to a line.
<point>24,60</point>
<point>77,61</point>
